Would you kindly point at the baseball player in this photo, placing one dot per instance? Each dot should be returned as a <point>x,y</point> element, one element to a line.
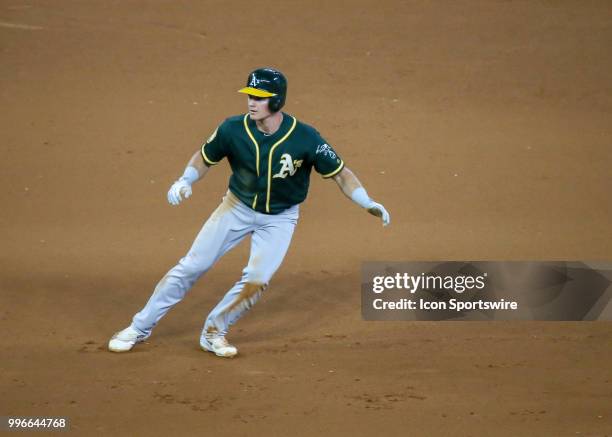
<point>271,155</point>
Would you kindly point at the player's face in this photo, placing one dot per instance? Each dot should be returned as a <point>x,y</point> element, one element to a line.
<point>258,108</point>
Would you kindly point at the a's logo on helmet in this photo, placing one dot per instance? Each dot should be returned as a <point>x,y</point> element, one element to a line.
<point>254,81</point>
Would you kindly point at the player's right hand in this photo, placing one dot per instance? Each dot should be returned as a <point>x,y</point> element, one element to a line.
<point>180,187</point>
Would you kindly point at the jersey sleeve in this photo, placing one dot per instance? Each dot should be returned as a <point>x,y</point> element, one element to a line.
<point>216,147</point>
<point>326,160</point>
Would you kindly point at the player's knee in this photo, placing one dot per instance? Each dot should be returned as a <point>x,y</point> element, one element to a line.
<point>249,294</point>
<point>194,265</point>
<point>256,276</point>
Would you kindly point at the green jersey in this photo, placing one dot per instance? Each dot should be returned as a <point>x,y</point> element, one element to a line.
<point>270,173</point>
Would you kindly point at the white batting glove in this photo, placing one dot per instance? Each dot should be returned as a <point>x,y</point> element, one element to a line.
<point>180,187</point>
<point>361,198</point>
<point>379,211</point>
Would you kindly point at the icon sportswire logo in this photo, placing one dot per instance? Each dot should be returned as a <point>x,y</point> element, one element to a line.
<point>289,166</point>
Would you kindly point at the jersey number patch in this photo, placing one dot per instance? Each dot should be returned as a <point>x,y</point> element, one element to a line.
<point>289,166</point>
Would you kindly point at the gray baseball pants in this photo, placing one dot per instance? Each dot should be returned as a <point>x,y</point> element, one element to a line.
<point>229,224</point>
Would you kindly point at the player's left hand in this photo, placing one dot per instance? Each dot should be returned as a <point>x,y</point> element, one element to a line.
<point>379,211</point>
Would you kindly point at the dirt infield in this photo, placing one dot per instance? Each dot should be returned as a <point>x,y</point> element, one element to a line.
<point>483,126</point>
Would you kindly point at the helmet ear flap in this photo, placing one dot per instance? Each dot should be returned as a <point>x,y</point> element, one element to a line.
<point>276,103</point>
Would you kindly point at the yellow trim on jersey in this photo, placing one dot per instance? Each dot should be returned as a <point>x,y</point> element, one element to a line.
<point>246,126</point>
<point>270,161</point>
<point>248,131</point>
<point>256,92</point>
<point>335,172</point>
<point>206,159</point>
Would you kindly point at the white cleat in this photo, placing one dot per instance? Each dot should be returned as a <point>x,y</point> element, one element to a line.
<point>125,340</point>
<point>218,345</point>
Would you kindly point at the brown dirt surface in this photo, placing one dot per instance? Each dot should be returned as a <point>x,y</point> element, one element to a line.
<point>483,126</point>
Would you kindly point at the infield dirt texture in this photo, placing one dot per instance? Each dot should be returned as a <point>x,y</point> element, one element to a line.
<point>484,127</point>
